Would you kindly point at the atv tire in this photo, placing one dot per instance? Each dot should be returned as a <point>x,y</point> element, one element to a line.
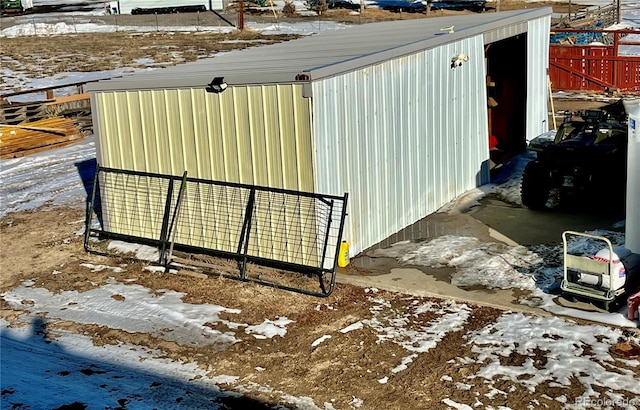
<point>536,185</point>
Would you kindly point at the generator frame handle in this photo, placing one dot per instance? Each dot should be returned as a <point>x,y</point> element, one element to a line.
<point>590,265</point>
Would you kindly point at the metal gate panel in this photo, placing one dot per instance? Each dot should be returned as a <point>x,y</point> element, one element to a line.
<point>128,203</point>
<point>275,228</point>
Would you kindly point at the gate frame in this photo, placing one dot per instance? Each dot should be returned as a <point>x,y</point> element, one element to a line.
<point>166,243</point>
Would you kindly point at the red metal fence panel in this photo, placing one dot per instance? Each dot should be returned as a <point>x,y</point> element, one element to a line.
<point>595,66</point>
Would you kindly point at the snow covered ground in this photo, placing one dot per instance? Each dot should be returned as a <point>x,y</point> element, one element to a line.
<point>32,366</point>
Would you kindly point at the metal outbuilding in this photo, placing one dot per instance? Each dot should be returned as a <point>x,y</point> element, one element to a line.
<point>398,114</point>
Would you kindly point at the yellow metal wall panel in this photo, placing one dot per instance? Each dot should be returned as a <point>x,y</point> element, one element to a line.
<point>186,130</point>
<point>288,138</point>
<point>288,156</point>
<point>254,135</point>
<point>255,112</point>
<point>131,126</point>
<point>123,153</point>
<point>304,143</point>
<point>157,130</point>
<point>272,138</point>
<point>174,130</point>
<point>111,150</point>
<point>150,149</point>
<point>203,139</point>
<point>229,136</point>
<point>242,135</point>
<point>213,134</point>
<point>198,124</point>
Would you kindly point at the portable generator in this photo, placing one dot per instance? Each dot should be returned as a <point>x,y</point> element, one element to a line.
<point>607,277</point>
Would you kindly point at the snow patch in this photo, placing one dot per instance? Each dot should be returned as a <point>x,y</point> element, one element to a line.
<point>320,340</point>
<point>269,328</point>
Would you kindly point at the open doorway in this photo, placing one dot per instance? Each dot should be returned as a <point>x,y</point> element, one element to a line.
<point>506,64</point>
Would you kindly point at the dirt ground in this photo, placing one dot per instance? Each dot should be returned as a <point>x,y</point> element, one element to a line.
<point>34,244</point>
<point>48,56</point>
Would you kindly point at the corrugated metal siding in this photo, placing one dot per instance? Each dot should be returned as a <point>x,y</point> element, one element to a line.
<point>253,135</point>
<point>537,78</point>
<point>258,135</point>
<point>403,137</point>
<point>504,32</point>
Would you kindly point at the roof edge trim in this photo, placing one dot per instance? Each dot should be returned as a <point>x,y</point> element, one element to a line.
<point>517,19</point>
<point>238,80</point>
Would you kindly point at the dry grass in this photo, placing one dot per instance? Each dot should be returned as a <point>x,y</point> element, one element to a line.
<point>46,56</point>
<point>43,57</point>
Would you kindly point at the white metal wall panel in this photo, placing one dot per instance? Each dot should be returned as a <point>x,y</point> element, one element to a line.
<point>504,32</point>
<point>253,135</point>
<point>537,77</point>
<point>402,137</point>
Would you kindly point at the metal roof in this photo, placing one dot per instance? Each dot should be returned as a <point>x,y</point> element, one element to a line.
<point>329,53</point>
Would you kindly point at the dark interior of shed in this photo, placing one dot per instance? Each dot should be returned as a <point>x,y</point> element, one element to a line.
<point>506,97</point>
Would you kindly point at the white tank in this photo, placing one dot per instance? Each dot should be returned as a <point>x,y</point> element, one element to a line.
<point>632,224</point>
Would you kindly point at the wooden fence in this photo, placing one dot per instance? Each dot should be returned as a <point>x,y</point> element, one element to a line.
<point>590,60</point>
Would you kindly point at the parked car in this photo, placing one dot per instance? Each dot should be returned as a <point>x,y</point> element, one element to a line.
<point>419,6</point>
<point>473,5</point>
<point>334,4</point>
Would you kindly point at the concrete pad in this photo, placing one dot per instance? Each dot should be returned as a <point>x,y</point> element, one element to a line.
<point>492,221</point>
<point>415,282</point>
<point>388,274</point>
<point>439,224</point>
<point>528,227</point>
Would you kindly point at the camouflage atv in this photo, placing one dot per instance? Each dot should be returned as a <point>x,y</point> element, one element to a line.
<point>585,163</point>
